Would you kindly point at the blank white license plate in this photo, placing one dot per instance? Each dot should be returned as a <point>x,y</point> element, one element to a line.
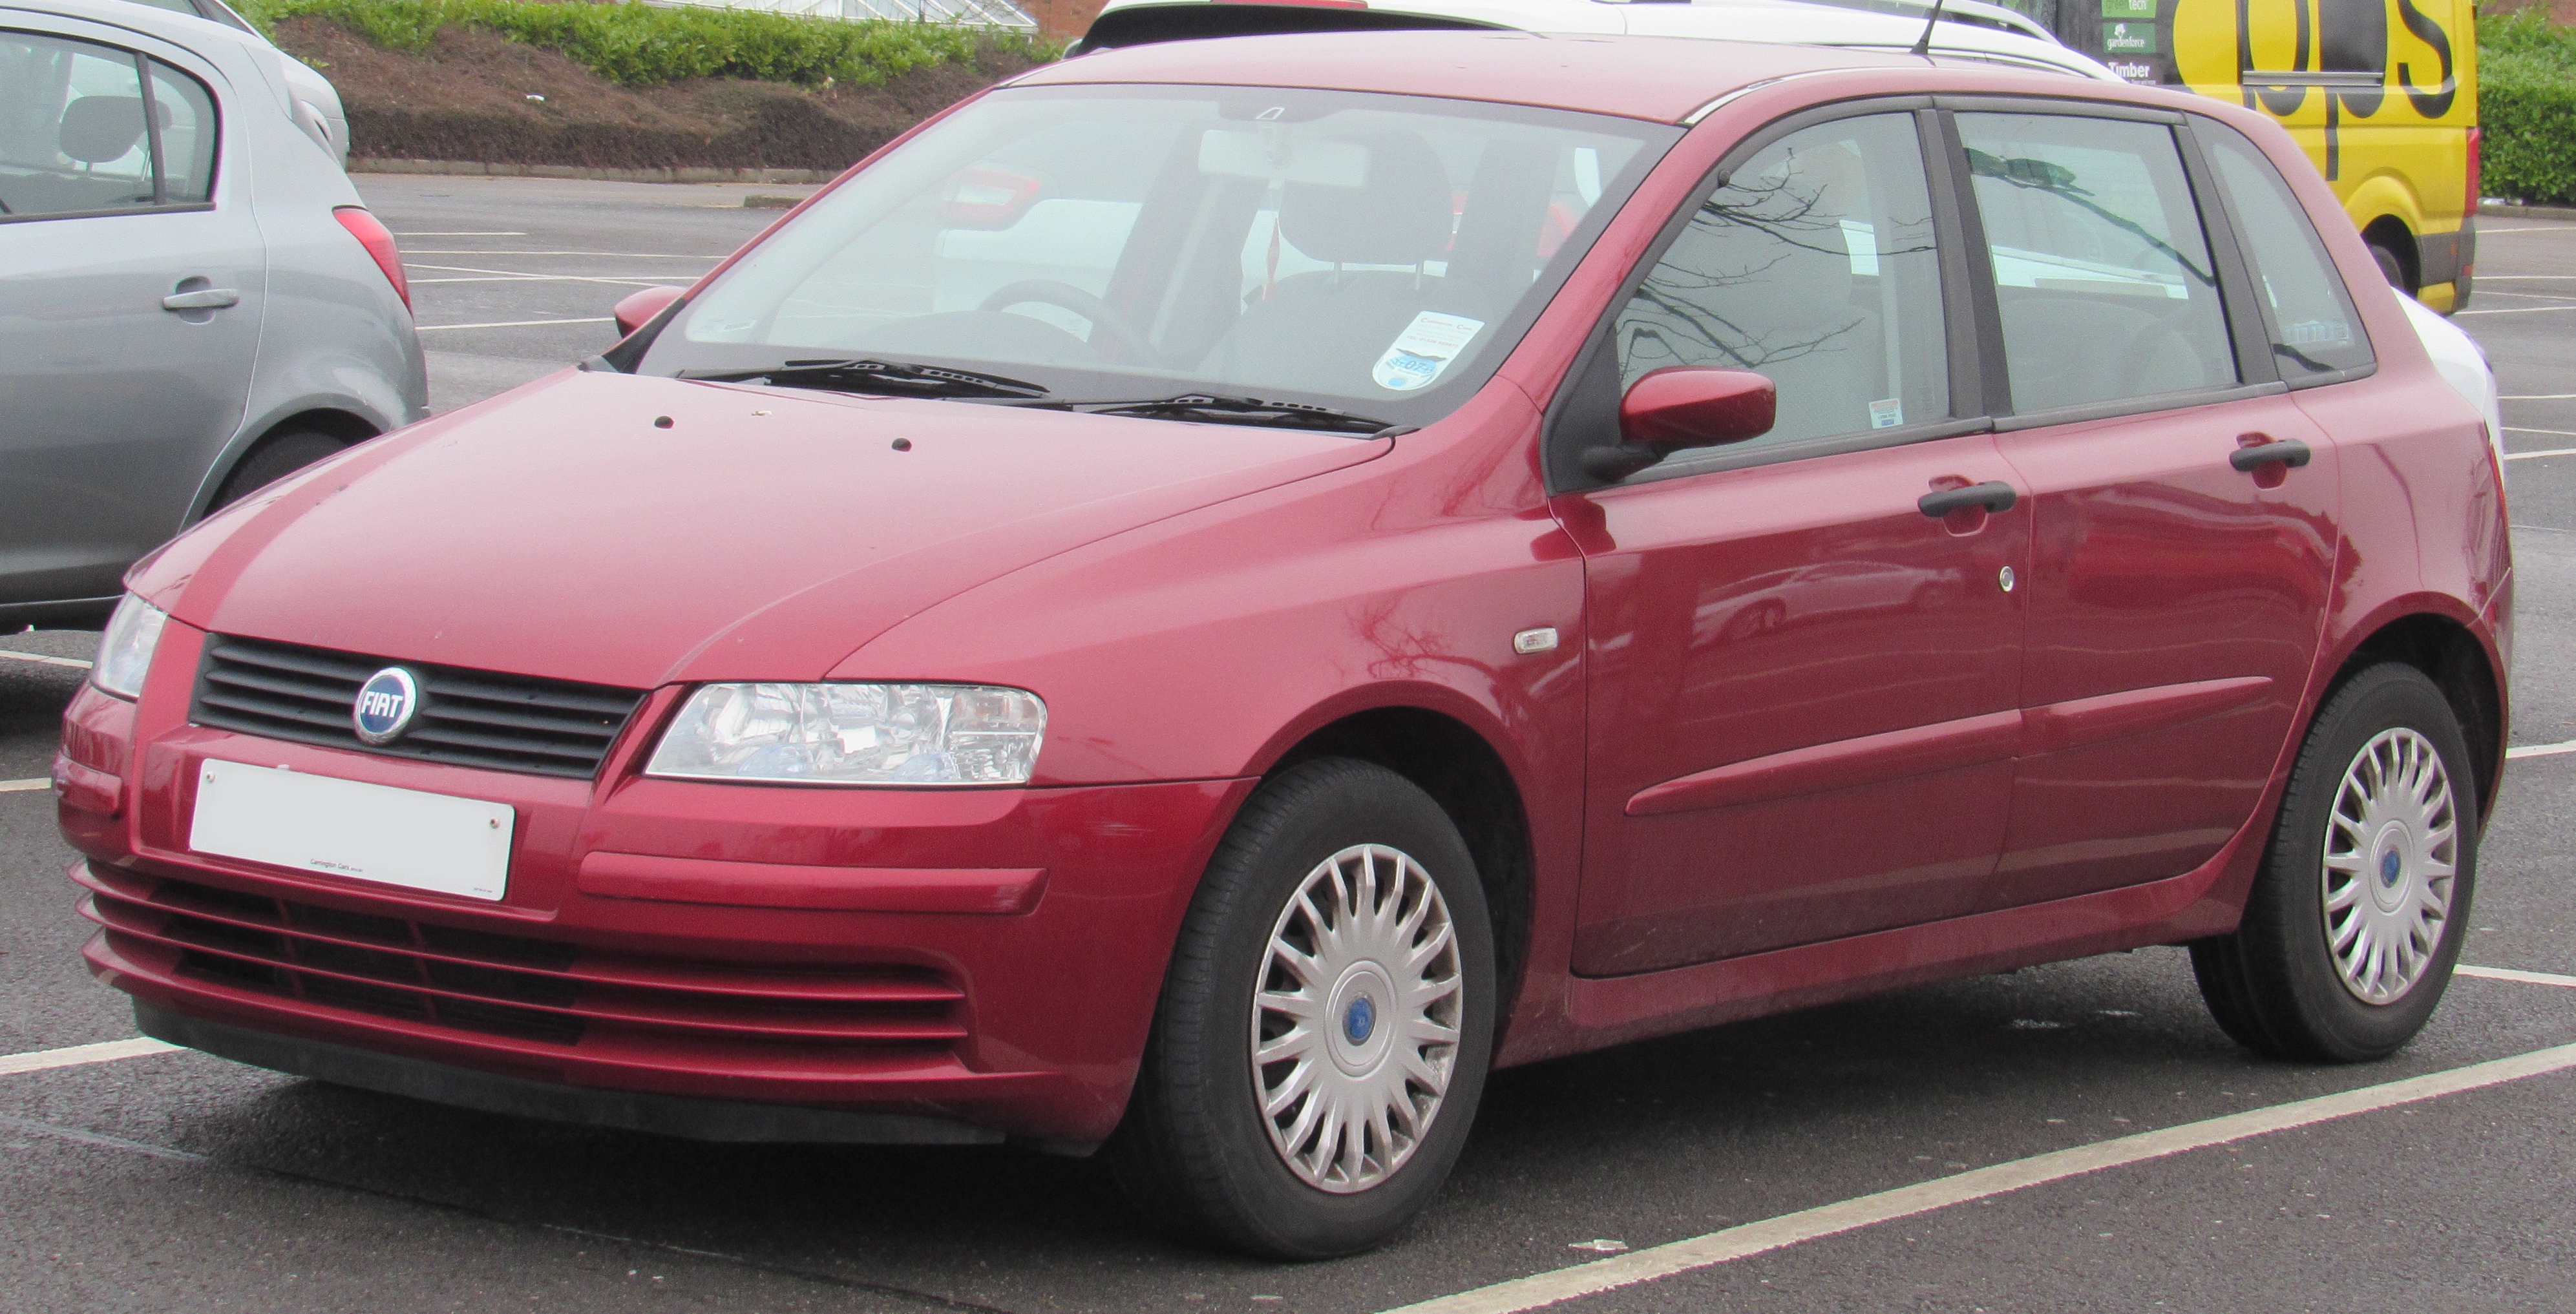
<point>365,832</point>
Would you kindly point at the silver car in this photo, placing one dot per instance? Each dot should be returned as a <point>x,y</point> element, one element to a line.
<point>193,299</point>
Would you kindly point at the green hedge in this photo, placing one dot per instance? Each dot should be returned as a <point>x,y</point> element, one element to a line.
<point>2527,106</point>
<point>637,45</point>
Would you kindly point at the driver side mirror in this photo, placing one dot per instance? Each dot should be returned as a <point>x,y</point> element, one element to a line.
<point>1681,407</point>
<point>637,309</point>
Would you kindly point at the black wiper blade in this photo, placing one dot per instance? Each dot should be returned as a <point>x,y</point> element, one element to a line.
<point>1216,409</point>
<point>880,375</point>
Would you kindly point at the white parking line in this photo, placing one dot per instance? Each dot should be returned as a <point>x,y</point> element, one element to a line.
<point>2525,456</point>
<point>636,255</point>
<point>503,275</point>
<point>2543,396</point>
<point>2511,310</point>
<point>42,660</point>
<point>2541,750</point>
<point>499,233</point>
<point>106,1051</point>
<point>2509,974</point>
<point>514,323</point>
<point>1770,1234</point>
<point>23,786</point>
<point>2532,296</point>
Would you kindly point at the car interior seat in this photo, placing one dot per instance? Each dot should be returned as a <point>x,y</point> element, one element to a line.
<point>1325,331</point>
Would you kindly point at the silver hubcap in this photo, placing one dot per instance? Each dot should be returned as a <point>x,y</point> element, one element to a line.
<point>1355,1020</point>
<point>2392,848</point>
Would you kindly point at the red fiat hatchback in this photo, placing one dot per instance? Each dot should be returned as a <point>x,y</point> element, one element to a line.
<point>1210,596</point>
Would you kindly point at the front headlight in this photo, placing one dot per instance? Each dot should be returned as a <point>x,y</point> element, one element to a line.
<point>854,734</point>
<point>125,651</point>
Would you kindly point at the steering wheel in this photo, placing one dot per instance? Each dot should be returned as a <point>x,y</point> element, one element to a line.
<point>1124,340</point>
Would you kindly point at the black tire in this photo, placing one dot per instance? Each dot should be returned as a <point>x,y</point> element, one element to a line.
<point>276,457</point>
<point>1194,1151</point>
<point>2393,268</point>
<point>2274,985</point>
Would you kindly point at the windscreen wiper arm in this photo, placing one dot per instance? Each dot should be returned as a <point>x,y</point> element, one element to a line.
<point>1216,409</point>
<point>879,376</point>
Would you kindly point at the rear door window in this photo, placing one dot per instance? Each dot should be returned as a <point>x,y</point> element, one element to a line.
<point>2101,270</point>
<point>2308,315</point>
<point>83,132</point>
<point>1814,264</point>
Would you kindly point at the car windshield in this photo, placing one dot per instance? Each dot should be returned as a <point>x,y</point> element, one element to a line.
<point>1299,257</point>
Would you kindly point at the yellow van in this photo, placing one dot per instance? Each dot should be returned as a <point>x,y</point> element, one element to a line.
<point>2383,93</point>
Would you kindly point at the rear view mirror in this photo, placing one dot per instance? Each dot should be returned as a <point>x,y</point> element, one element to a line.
<point>639,308</point>
<point>1680,407</point>
<point>987,199</point>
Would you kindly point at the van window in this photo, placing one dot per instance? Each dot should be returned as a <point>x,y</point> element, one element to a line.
<point>1814,264</point>
<point>2308,316</point>
<point>2101,269</point>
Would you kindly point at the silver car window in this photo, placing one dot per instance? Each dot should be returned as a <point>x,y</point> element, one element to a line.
<point>81,132</point>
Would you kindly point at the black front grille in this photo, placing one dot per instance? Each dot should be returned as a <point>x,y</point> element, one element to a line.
<point>470,718</point>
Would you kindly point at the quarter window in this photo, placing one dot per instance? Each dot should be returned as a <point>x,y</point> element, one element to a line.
<point>81,132</point>
<point>2308,316</point>
<point>2101,269</point>
<point>1813,264</point>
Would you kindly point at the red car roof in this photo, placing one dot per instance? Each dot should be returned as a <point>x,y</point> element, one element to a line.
<point>1657,78</point>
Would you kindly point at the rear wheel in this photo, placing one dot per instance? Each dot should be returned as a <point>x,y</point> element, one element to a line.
<point>2354,922</point>
<point>1326,1027</point>
<point>2393,268</point>
<point>276,457</point>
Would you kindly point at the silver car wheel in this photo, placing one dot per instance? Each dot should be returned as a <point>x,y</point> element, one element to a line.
<point>1355,1018</point>
<point>2391,851</point>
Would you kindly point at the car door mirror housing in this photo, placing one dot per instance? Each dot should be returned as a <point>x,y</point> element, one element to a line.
<point>1680,407</point>
<point>639,308</point>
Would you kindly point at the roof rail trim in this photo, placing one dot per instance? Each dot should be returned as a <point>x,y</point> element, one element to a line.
<point>1692,119</point>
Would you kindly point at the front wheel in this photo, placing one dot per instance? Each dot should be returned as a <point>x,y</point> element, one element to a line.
<point>1326,1026</point>
<point>2354,921</point>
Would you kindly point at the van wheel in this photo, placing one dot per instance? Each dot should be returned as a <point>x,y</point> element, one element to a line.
<point>2392,268</point>
<point>1326,1027</point>
<point>276,457</point>
<point>2354,921</point>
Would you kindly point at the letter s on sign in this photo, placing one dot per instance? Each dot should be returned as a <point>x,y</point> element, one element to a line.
<point>2435,101</point>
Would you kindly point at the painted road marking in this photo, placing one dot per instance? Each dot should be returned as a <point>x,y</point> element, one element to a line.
<point>497,233</point>
<point>17,786</point>
<point>2511,310</point>
<point>503,275</point>
<point>106,1051</point>
<point>43,660</point>
<point>2525,456</point>
<point>2541,750</point>
<point>1543,1289</point>
<point>2543,396</point>
<point>636,255</point>
<point>2509,974</point>
<point>513,323</point>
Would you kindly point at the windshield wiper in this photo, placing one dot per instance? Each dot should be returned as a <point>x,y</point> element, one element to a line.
<point>879,376</point>
<point>1214,409</point>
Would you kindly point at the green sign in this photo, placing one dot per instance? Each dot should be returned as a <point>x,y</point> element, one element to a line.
<point>2130,9</point>
<point>2128,38</point>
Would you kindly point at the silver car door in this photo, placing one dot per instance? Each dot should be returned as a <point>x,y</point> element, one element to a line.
<point>132,278</point>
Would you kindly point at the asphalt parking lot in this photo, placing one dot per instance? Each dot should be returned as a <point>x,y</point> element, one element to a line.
<point>175,1180</point>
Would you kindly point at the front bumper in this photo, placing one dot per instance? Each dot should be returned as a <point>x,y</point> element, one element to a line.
<point>988,960</point>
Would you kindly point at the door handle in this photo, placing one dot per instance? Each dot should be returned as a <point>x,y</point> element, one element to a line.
<point>207,298</point>
<point>1994,495</point>
<point>2284,451</point>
